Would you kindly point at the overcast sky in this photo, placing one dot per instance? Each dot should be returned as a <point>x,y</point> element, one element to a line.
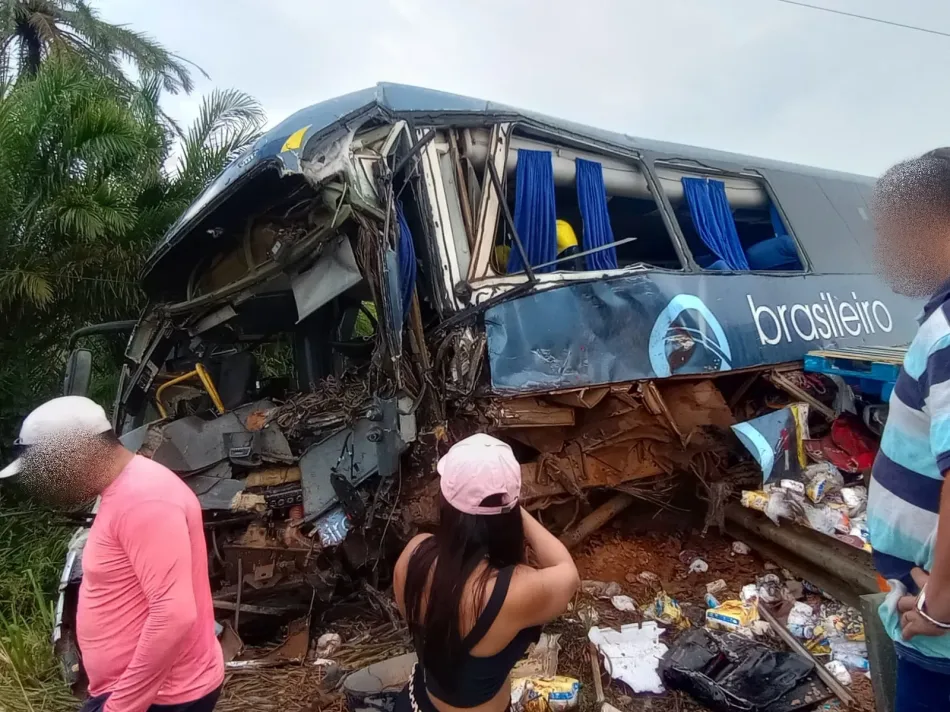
<point>754,76</point>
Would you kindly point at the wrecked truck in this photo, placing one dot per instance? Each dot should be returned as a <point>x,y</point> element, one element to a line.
<point>385,272</point>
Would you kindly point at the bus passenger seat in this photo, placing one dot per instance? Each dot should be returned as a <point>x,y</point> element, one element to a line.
<point>773,254</point>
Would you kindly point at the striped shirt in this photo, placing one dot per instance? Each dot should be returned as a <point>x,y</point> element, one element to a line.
<point>904,497</point>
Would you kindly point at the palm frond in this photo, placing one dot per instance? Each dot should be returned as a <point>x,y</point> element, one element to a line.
<point>228,121</point>
<point>39,27</point>
<point>44,24</point>
<point>33,287</point>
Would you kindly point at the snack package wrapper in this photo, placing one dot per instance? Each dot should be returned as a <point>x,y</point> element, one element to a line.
<point>544,694</point>
<point>732,617</point>
<point>755,499</point>
<point>666,609</point>
<point>856,499</point>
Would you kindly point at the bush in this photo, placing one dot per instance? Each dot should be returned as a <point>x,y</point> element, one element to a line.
<point>32,552</point>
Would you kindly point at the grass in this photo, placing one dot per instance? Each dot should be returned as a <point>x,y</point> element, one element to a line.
<point>32,552</point>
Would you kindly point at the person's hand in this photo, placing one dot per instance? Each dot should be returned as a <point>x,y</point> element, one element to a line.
<point>912,623</point>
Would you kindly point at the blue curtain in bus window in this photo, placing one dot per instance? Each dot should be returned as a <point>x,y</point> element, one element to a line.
<point>592,199</point>
<point>712,218</point>
<point>777,225</point>
<point>407,261</point>
<point>535,215</point>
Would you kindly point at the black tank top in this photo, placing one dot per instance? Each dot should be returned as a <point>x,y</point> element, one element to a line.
<point>477,680</point>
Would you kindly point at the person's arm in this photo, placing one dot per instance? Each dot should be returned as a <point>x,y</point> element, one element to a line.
<point>935,383</point>
<point>540,595</point>
<point>402,569</point>
<point>938,582</point>
<point>155,537</point>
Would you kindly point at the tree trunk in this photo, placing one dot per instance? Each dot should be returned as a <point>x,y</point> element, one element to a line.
<point>32,51</point>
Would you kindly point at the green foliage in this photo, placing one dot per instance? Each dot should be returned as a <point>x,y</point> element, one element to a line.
<point>84,195</point>
<point>34,30</point>
<point>85,192</point>
<point>32,549</point>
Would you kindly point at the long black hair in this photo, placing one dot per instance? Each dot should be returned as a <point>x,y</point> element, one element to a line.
<point>460,544</point>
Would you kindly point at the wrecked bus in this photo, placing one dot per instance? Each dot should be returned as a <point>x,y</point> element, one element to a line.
<point>385,272</point>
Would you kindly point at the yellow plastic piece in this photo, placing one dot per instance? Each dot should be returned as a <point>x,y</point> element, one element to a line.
<point>202,374</point>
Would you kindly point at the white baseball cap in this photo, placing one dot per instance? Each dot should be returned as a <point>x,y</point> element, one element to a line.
<point>55,418</point>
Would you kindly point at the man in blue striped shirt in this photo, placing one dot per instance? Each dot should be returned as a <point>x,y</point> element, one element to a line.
<point>908,505</point>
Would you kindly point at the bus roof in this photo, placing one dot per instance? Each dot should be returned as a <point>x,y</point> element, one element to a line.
<point>425,106</point>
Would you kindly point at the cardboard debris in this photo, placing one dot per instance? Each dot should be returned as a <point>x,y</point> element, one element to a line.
<point>541,660</point>
<point>632,654</point>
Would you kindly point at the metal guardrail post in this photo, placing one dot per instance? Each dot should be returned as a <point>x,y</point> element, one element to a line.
<point>881,653</point>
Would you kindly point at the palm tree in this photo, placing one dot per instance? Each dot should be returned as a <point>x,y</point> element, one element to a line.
<point>84,188</point>
<point>84,194</point>
<point>32,30</point>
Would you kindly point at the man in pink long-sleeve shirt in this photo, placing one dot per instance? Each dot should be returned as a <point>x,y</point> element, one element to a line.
<point>145,621</point>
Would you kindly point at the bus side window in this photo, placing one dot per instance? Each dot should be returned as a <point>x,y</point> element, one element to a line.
<point>749,234</point>
<point>634,232</point>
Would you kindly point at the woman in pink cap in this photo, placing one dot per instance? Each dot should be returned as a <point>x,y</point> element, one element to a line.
<point>472,604</point>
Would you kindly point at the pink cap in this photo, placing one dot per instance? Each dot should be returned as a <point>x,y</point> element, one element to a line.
<point>476,468</point>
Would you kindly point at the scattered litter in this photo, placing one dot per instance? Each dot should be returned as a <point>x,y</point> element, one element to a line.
<point>632,654</point>
<point>648,578</point>
<point>729,673</point>
<point>741,548</point>
<point>749,594</point>
<point>544,694</point>
<point>601,589</point>
<point>666,609</point>
<point>781,505</point>
<point>818,645</point>
<point>826,520</point>
<point>793,486</point>
<point>755,499</point>
<point>624,603</point>
<point>839,671</point>
<point>827,471</point>
<point>823,478</point>
<point>698,566</point>
<point>816,489</point>
<point>717,586</point>
<point>711,601</point>
<point>840,620</point>
<point>587,615</point>
<point>732,617</point>
<point>856,499</point>
<point>769,588</point>
<point>802,621</point>
<point>328,645</point>
<point>541,660</point>
<point>853,654</point>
